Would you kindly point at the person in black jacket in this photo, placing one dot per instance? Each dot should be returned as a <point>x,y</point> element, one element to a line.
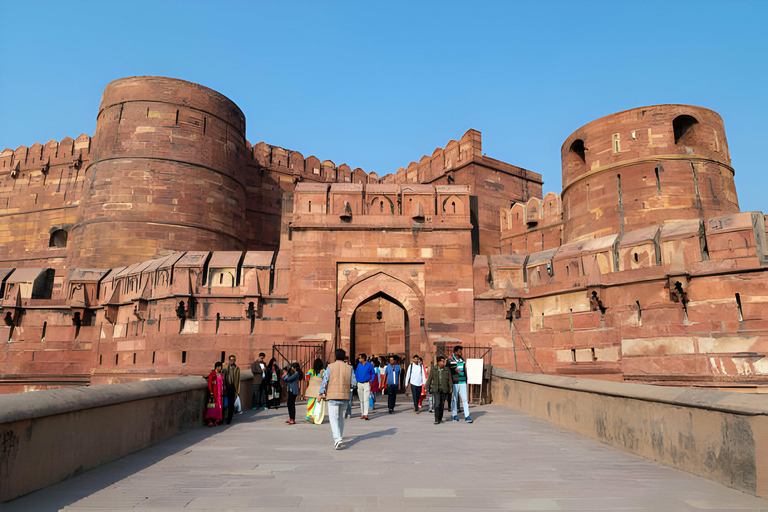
<point>439,383</point>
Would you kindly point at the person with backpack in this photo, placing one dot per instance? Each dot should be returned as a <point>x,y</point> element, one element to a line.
<point>415,377</point>
<point>459,374</point>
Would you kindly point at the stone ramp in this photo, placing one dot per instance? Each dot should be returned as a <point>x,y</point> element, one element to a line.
<point>505,460</point>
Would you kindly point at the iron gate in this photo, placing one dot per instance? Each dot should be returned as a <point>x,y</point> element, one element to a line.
<point>302,353</point>
<point>477,394</point>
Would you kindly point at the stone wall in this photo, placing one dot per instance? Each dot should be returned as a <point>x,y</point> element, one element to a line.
<point>717,435</point>
<point>68,431</point>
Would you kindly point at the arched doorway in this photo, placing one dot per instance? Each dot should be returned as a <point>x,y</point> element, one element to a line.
<point>400,303</point>
<point>380,325</point>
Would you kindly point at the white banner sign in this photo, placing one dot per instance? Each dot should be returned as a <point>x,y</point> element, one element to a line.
<point>474,371</point>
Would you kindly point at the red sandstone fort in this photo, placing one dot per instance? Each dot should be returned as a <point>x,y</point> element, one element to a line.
<point>166,240</point>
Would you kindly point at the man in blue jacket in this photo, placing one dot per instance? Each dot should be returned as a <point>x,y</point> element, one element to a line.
<point>363,376</point>
<point>392,372</point>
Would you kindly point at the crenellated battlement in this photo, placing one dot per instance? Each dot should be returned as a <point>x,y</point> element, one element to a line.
<point>443,160</point>
<point>309,168</point>
<point>39,157</point>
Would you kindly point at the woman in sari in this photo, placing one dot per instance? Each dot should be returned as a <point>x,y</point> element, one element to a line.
<point>316,372</point>
<point>213,413</point>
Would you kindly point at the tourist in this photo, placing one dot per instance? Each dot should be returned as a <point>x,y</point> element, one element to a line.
<point>363,375</point>
<point>273,384</point>
<point>232,386</point>
<point>424,393</point>
<point>459,374</point>
<point>348,412</point>
<point>313,376</point>
<point>213,413</point>
<point>292,375</point>
<point>382,375</point>
<point>374,384</point>
<point>259,369</point>
<point>439,384</point>
<point>415,377</point>
<point>392,372</point>
<point>338,379</point>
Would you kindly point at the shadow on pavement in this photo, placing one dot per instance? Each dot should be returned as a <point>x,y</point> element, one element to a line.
<point>73,489</point>
<point>370,435</point>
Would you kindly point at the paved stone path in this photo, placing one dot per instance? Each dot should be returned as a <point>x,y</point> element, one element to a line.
<point>505,460</point>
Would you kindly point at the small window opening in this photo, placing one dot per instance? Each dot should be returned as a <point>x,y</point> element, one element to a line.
<point>221,278</point>
<point>101,359</point>
<point>616,144</point>
<point>218,321</point>
<point>159,319</point>
<point>573,355</point>
<point>381,206</point>
<point>570,317</point>
<point>659,168</point>
<point>594,356</point>
<point>116,358</point>
<point>223,356</point>
<point>153,357</point>
<point>639,314</point>
<point>45,326</point>
<point>682,127</point>
<point>310,207</point>
<point>177,117</point>
<point>58,238</point>
<point>738,305</point>
<point>453,203</point>
<point>183,356</point>
<point>636,258</point>
<point>568,271</point>
<point>578,148</point>
<point>134,358</point>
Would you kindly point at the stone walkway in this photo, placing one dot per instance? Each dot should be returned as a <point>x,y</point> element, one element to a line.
<point>505,460</point>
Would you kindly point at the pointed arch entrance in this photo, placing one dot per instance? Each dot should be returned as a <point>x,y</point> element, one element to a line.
<point>401,305</point>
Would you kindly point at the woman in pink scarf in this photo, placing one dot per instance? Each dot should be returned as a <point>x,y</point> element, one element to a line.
<point>213,413</point>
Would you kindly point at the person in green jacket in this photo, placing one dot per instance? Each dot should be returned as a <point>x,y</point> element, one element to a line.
<point>440,384</point>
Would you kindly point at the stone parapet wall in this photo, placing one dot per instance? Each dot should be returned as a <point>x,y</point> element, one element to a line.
<point>717,435</point>
<point>69,431</point>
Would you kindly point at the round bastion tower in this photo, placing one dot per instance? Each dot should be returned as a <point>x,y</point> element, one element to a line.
<point>645,166</point>
<point>166,175</point>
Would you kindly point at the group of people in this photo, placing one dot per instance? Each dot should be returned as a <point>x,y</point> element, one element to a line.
<point>330,388</point>
<point>223,390</point>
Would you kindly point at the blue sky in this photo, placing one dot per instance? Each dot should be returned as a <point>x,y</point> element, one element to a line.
<point>378,84</point>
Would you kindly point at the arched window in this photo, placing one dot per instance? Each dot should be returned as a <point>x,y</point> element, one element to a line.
<point>683,127</point>
<point>578,148</point>
<point>58,238</point>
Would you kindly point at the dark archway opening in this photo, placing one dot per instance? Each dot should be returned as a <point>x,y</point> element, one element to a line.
<point>58,238</point>
<point>683,127</point>
<point>380,325</point>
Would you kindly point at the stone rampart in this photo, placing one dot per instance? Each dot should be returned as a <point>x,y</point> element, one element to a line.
<point>714,434</point>
<point>68,431</point>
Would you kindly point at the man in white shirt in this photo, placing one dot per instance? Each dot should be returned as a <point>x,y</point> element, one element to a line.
<point>415,377</point>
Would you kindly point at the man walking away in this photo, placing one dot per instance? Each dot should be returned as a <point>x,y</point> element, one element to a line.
<point>415,377</point>
<point>392,373</point>
<point>439,383</point>
<point>363,376</point>
<point>459,371</point>
<point>259,368</point>
<point>232,386</point>
<point>338,379</point>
